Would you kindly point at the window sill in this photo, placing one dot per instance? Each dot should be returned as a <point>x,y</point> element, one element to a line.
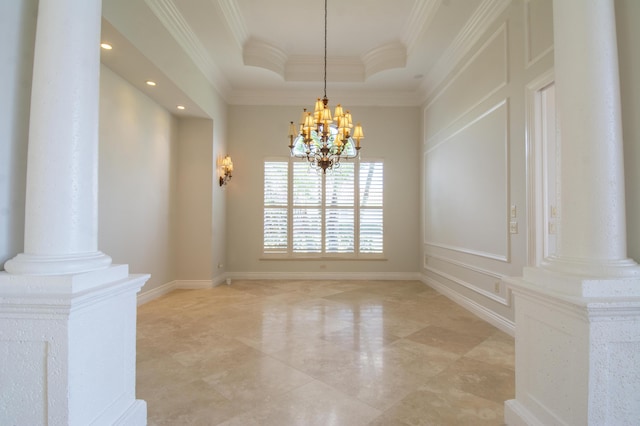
<point>323,258</point>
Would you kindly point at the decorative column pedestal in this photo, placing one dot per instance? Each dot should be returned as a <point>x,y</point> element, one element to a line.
<point>577,357</point>
<point>578,315</point>
<point>68,349</point>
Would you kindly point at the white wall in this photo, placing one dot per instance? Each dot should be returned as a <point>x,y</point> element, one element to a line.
<point>474,157</point>
<point>259,132</point>
<point>17,32</point>
<point>137,180</point>
<point>628,18</point>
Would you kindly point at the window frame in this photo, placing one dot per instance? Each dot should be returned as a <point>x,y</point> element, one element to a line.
<point>357,208</point>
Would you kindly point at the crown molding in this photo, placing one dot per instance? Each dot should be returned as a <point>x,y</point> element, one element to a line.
<point>173,21</point>
<point>264,55</point>
<point>388,56</point>
<point>234,19</point>
<point>340,69</point>
<point>422,15</point>
<point>349,99</point>
<point>476,26</point>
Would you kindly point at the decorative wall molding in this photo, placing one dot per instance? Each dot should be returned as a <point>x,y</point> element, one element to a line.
<point>528,37</point>
<point>465,265</point>
<point>535,222</point>
<point>476,26</point>
<point>504,257</point>
<point>171,18</point>
<point>495,297</point>
<point>501,31</point>
<point>465,250</point>
<point>486,314</point>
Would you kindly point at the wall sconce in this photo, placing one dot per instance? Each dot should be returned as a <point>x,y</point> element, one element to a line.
<point>226,167</point>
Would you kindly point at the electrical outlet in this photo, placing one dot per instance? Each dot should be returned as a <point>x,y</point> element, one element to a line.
<point>513,227</point>
<point>514,211</point>
<point>496,287</point>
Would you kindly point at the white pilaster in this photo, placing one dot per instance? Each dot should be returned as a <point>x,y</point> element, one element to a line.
<point>578,316</point>
<point>62,179</point>
<point>67,316</point>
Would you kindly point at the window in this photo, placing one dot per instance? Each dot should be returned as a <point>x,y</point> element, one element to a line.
<point>307,214</point>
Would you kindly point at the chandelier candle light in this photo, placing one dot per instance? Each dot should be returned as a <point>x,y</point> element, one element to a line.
<point>325,142</point>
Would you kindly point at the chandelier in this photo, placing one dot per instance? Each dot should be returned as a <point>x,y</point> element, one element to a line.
<point>321,140</point>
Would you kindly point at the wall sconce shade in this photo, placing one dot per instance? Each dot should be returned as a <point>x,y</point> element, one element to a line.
<point>226,168</point>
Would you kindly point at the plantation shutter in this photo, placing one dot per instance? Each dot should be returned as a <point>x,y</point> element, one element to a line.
<point>275,206</point>
<point>339,208</point>
<point>307,210</point>
<point>371,219</point>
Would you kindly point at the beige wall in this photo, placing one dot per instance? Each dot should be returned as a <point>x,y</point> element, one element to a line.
<point>474,157</point>
<point>137,180</point>
<point>628,25</point>
<point>259,132</point>
<point>194,250</point>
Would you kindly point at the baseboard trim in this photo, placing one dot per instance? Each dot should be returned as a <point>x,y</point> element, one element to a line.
<point>154,293</point>
<point>515,414</point>
<point>483,312</point>
<point>192,284</point>
<point>369,276</point>
<point>136,415</point>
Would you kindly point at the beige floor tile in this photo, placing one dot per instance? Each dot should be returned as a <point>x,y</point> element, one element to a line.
<point>314,404</point>
<point>450,408</point>
<point>447,339</point>
<point>319,352</point>
<point>497,349</point>
<point>484,380</point>
<point>256,381</point>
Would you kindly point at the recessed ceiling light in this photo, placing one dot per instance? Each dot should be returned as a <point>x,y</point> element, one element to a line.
<point>180,107</point>
<point>106,46</point>
<point>151,83</point>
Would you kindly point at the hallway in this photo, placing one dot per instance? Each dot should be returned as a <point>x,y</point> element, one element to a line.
<point>320,353</point>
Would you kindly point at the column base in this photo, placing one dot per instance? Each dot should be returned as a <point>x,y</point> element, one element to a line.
<point>33,264</point>
<point>577,358</point>
<point>68,348</point>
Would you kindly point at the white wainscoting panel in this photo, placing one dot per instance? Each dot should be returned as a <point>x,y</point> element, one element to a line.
<point>466,178</point>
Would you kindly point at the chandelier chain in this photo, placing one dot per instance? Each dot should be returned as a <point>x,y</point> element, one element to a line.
<point>325,49</point>
<point>322,140</point>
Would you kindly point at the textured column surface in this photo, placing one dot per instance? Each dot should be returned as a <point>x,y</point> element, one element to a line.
<point>592,233</point>
<point>578,316</point>
<point>62,177</point>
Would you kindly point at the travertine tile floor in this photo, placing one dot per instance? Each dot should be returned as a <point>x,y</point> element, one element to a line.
<point>320,353</point>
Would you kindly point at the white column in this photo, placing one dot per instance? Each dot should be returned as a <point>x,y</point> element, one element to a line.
<point>67,316</point>
<point>578,316</point>
<point>62,179</point>
<point>592,233</point>
<point>592,244</point>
